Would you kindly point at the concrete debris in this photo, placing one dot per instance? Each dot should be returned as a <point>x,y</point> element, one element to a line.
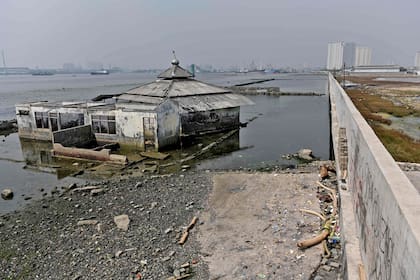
<point>305,154</point>
<point>7,194</point>
<point>122,222</point>
<point>87,222</point>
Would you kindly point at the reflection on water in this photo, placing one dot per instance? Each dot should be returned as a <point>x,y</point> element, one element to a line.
<point>25,167</point>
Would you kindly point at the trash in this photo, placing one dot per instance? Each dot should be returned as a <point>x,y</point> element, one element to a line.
<point>323,172</point>
<point>185,233</point>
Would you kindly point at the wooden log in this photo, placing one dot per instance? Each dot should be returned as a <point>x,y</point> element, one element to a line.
<point>183,238</point>
<point>313,241</point>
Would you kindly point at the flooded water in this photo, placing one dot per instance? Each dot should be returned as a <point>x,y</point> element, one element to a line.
<point>280,125</point>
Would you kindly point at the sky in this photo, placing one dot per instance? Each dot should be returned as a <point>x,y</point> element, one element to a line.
<point>141,34</point>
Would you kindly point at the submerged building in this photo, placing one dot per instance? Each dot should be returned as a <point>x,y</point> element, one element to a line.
<point>155,115</point>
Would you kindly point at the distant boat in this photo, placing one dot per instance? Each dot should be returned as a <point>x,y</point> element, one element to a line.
<point>100,72</point>
<point>42,73</point>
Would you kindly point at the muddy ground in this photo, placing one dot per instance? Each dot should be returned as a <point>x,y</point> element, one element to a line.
<point>249,223</point>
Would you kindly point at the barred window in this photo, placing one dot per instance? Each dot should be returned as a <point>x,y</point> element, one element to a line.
<point>103,124</point>
<point>41,119</point>
<point>68,120</point>
<point>54,121</point>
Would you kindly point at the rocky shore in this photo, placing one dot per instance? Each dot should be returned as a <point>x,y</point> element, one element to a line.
<point>131,228</point>
<point>73,235</point>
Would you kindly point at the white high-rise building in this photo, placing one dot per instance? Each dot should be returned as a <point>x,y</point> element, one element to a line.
<point>335,56</point>
<point>417,61</point>
<point>349,54</point>
<point>363,56</point>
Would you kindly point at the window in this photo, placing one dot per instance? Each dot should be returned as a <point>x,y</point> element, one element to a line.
<point>103,124</point>
<point>54,121</point>
<point>41,119</point>
<point>68,120</point>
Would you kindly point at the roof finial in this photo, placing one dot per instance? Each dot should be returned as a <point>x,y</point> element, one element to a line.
<point>175,61</point>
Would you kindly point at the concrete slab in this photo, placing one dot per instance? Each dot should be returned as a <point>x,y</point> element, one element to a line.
<point>253,223</point>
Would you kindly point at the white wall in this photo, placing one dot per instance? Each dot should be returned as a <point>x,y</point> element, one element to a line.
<point>386,205</point>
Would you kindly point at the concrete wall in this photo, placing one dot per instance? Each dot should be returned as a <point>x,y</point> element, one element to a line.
<point>380,199</point>
<point>168,124</point>
<point>79,136</point>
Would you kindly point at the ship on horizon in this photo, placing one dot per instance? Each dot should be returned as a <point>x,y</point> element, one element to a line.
<point>100,72</point>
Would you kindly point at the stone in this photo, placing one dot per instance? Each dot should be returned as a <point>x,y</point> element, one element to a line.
<point>138,185</point>
<point>168,230</point>
<point>305,154</point>
<point>96,192</point>
<point>334,264</point>
<point>118,253</point>
<point>7,194</point>
<point>122,222</point>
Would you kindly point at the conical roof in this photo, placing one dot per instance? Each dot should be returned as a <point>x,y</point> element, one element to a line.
<point>175,72</point>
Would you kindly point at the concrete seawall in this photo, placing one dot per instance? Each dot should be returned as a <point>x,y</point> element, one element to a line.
<point>381,207</point>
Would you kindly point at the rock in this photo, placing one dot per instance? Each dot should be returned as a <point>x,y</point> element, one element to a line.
<point>71,186</point>
<point>118,253</point>
<point>334,264</point>
<point>122,222</point>
<point>168,230</point>
<point>96,192</point>
<point>138,185</point>
<point>305,154</point>
<point>7,194</point>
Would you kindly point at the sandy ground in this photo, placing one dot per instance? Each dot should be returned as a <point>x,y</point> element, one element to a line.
<point>252,225</point>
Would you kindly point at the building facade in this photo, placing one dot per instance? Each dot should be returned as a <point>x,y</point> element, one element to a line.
<point>363,56</point>
<point>417,61</point>
<point>335,56</point>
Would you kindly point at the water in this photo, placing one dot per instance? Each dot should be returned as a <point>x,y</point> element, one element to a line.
<point>16,89</point>
<point>283,125</point>
<point>282,129</point>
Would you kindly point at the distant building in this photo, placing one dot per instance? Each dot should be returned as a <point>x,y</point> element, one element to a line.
<point>363,56</point>
<point>349,54</point>
<point>417,61</point>
<point>377,69</point>
<point>335,56</point>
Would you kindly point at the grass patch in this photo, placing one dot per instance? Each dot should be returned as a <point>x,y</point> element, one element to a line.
<point>400,146</point>
<point>370,103</point>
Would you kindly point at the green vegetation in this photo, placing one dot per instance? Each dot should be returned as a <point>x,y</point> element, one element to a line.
<point>401,147</point>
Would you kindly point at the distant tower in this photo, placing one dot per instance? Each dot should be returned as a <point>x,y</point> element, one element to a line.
<point>417,61</point>
<point>363,56</point>
<point>335,56</point>
<point>349,54</point>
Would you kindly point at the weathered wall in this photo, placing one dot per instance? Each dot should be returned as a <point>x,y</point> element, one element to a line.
<point>168,124</point>
<point>209,121</point>
<point>385,203</point>
<point>79,136</point>
<point>27,126</point>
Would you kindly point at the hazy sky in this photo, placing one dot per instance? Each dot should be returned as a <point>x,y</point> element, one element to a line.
<point>142,33</point>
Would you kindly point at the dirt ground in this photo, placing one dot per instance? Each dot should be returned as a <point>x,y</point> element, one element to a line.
<point>252,224</point>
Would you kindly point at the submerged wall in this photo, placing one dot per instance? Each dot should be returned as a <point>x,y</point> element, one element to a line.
<point>79,136</point>
<point>385,204</point>
<point>209,121</point>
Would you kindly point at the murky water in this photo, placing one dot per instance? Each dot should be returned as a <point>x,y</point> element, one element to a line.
<point>281,125</point>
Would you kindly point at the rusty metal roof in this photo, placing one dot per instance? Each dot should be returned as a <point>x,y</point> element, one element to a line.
<point>175,88</point>
<point>212,102</point>
<point>175,72</point>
